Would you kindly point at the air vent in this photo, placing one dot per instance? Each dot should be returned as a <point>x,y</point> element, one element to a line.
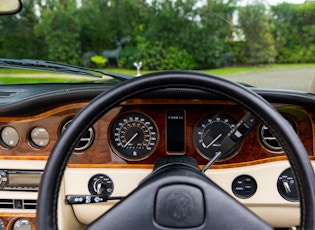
<point>7,203</point>
<point>29,204</point>
<point>86,140</point>
<point>18,204</point>
<point>269,140</point>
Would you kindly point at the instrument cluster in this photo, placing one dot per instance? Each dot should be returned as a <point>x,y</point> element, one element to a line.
<point>195,130</point>
<point>135,135</point>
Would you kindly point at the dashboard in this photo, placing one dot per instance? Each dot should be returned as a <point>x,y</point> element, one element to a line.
<point>120,149</point>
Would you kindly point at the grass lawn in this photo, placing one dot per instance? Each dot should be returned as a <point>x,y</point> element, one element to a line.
<point>228,70</point>
<point>16,76</point>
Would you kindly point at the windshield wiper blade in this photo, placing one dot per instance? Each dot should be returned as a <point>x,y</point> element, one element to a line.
<point>50,66</point>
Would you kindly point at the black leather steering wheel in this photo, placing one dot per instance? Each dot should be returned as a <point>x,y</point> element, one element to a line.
<point>179,177</point>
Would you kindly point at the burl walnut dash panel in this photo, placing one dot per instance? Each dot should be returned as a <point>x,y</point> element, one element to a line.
<point>100,153</point>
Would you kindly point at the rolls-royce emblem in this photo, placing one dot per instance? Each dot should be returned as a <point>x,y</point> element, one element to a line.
<point>178,205</point>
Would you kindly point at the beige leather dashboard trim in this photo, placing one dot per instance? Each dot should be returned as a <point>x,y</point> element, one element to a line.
<point>265,202</point>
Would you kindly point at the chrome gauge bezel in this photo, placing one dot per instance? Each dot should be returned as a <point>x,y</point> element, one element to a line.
<point>201,129</point>
<point>133,136</point>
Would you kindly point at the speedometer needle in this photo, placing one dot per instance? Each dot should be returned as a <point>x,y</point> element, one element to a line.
<point>131,139</point>
<point>214,140</point>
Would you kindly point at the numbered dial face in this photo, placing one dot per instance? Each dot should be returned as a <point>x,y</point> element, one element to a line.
<point>210,132</point>
<point>133,136</point>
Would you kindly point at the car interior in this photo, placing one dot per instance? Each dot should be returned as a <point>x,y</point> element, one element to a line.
<point>173,121</point>
<point>167,150</point>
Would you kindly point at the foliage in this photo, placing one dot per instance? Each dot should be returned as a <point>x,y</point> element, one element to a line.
<point>107,23</point>
<point>202,32</point>
<point>99,61</point>
<point>177,34</point>
<point>238,49</point>
<point>298,54</point>
<point>294,32</point>
<point>17,36</point>
<point>215,31</point>
<point>259,41</point>
<point>61,32</point>
<point>154,56</point>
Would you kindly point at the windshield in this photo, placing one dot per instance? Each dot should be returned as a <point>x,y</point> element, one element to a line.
<point>263,43</point>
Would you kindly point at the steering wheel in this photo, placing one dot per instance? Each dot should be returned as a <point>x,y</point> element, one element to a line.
<point>177,194</point>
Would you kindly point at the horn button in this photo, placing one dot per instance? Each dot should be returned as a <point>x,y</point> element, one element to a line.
<point>179,206</point>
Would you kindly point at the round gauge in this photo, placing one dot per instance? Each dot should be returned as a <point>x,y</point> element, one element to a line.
<point>22,224</point>
<point>133,136</point>
<point>9,137</point>
<point>39,137</point>
<point>210,132</point>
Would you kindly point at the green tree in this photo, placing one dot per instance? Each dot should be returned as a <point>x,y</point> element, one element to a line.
<point>104,25</point>
<point>294,32</point>
<point>213,33</point>
<point>60,29</point>
<point>255,23</point>
<point>96,31</point>
<point>155,57</point>
<point>201,31</point>
<point>17,37</point>
<point>159,35</point>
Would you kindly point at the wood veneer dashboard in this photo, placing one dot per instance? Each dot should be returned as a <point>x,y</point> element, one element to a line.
<point>101,154</point>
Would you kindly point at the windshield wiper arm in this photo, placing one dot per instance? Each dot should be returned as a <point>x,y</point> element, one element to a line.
<point>50,66</point>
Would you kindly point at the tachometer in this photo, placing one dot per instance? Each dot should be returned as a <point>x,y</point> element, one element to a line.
<point>209,133</point>
<point>133,136</point>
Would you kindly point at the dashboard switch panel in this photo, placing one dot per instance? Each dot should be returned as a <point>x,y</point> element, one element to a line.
<point>244,186</point>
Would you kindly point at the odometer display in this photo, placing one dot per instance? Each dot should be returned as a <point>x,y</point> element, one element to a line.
<point>133,136</point>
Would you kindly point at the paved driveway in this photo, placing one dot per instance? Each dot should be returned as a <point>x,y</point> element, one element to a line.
<point>291,78</point>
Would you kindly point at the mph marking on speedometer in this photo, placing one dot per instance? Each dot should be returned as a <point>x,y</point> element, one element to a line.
<point>133,136</point>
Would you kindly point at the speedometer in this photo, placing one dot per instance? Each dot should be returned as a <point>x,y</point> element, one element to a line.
<point>133,136</point>
<point>210,132</point>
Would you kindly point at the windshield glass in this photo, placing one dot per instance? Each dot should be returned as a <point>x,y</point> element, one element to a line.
<point>263,43</point>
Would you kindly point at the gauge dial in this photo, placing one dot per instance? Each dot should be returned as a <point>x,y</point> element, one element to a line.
<point>39,137</point>
<point>23,224</point>
<point>10,137</point>
<point>210,132</point>
<point>133,136</point>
